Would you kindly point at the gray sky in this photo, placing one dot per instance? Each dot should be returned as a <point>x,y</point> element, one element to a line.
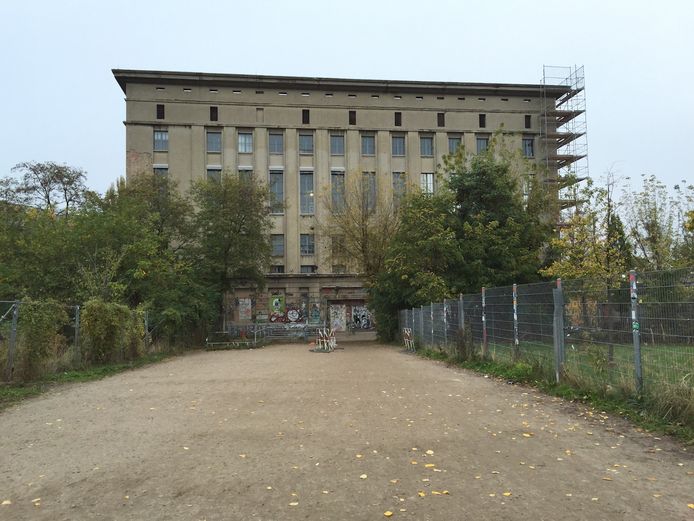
<point>61,103</point>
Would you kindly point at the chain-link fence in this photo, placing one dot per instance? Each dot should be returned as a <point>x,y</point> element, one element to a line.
<point>42,337</point>
<point>633,336</point>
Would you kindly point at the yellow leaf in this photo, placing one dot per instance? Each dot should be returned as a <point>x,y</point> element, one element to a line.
<point>435,493</point>
<point>445,493</point>
<point>363,476</point>
<point>293,503</point>
<point>429,465</point>
<point>7,502</point>
<point>606,479</point>
<point>691,505</point>
<point>359,456</point>
<point>413,462</point>
<point>492,494</point>
<point>393,480</point>
<point>421,493</point>
<point>387,513</point>
<point>507,494</point>
<point>36,500</point>
<point>527,434</point>
<point>430,452</point>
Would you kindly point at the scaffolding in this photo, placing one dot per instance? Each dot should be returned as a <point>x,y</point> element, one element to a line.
<point>564,129</point>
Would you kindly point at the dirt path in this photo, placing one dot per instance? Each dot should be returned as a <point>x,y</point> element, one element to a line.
<point>281,433</point>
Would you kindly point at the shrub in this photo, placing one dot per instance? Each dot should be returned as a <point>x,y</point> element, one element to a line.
<point>110,331</point>
<point>40,340</point>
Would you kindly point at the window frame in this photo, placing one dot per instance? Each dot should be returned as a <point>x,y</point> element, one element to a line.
<point>482,139</point>
<point>392,145</point>
<point>307,244</point>
<point>165,141</point>
<point>273,150</point>
<point>341,138</point>
<point>337,190</point>
<point>528,140</point>
<point>423,139</point>
<point>459,139</point>
<point>364,139</point>
<point>279,252</point>
<point>247,143</point>
<point>276,206</point>
<point>427,183</point>
<point>217,176</point>
<point>307,200</point>
<point>304,151</point>
<point>210,133</point>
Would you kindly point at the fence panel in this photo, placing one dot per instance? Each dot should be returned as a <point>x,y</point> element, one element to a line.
<point>666,313</point>
<point>439,326</point>
<point>597,337</point>
<point>535,324</point>
<point>499,316</point>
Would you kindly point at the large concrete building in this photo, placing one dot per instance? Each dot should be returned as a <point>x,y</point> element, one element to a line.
<point>306,137</point>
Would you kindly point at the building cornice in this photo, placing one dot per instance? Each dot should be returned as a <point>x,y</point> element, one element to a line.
<point>125,76</point>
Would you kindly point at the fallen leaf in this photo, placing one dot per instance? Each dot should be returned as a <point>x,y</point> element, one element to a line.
<point>421,493</point>
<point>413,462</point>
<point>492,494</point>
<point>387,513</point>
<point>36,500</point>
<point>445,493</point>
<point>269,488</point>
<point>7,502</point>
<point>435,493</point>
<point>430,452</point>
<point>527,434</point>
<point>186,448</point>
<point>363,476</point>
<point>293,503</point>
<point>326,492</point>
<point>691,505</point>
<point>359,456</point>
<point>393,480</point>
<point>606,479</point>
<point>429,465</point>
<point>507,494</point>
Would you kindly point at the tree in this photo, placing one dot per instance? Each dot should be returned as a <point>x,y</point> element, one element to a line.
<point>50,185</point>
<point>360,223</point>
<point>418,267</point>
<point>502,229</point>
<point>232,230</point>
<point>592,242</point>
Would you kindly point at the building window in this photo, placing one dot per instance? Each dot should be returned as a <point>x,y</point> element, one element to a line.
<point>337,190</point>
<point>214,142</point>
<point>305,268</point>
<point>483,120</point>
<point>276,191</point>
<point>426,146</point>
<point>276,143</point>
<point>245,174</point>
<point>214,174</point>
<point>368,145</point>
<point>352,117</point>
<point>305,116</point>
<point>427,180</point>
<point>398,145</point>
<point>277,240</point>
<point>214,113</point>
<point>161,170</point>
<point>528,122</point>
<point>399,187</point>
<point>306,144</point>
<point>398,119</point>
<point>306,192</point>
<point>277,268</point>
<point>528,147</point>
<point>441,119</point>
<point>160,111</point>
<point>161,140</point>
<point>337,145</point>
<point>245,143</point>
<point>308,245</point>
<point>454,143</point>
<point>369,191</point>
<point>482,144</point>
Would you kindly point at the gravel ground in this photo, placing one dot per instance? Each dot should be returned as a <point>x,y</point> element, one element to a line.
<point>281,433</point>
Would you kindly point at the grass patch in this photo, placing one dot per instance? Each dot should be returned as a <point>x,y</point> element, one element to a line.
<point>14,393</point>
<point>647,413</point>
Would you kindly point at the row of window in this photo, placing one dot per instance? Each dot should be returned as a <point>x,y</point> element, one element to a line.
<point>307,244</point>
<point>351,117</point>
<point>337,144</point>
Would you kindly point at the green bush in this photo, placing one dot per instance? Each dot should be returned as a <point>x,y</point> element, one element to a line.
<point>111,332</point>
<point>40,339</point>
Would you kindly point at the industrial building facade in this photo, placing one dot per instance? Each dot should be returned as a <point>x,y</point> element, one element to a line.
<point>307,137</point>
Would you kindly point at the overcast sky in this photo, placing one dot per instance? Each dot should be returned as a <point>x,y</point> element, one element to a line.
<point>61,103</point>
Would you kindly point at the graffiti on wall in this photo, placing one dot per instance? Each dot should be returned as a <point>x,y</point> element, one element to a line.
<point>338,317</point>
<point>361,318</point>
<point>245,309</point>
<point>277,308</point>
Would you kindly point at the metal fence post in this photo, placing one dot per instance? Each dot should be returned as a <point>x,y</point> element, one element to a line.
<point>13,342</point>
<point>421,323</point>
<point>516,344</point>
<point>485,350</point>
<point>445,324</point>
<point>78,353</point>
<point>461,312</point>
<point>636,332</point>
<point>558,295</point>
<point>431,314</point>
